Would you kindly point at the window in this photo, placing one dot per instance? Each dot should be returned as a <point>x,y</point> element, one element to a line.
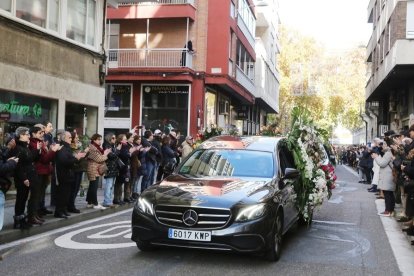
<point>76,26</point>
<point>33,11</point>
<point>74,19</point>
<point>5,5</point>
<point>118,101</point>
<point>81,17</point>
<point>53,23</point>
<point>232,10</point>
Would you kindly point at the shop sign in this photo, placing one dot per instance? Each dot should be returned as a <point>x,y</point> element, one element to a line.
<point>166,89</point>
<point>13,107</point>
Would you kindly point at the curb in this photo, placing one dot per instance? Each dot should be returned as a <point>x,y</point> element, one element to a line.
<point>9,235</point>
<point>400,243</point>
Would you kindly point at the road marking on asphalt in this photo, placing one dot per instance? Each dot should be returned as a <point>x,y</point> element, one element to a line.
<point>403,252</point>
<point>60,230</point>
<point>66,240</point>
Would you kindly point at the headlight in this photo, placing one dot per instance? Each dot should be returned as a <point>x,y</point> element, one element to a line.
<point>144,206</point>
<point>250,212</point>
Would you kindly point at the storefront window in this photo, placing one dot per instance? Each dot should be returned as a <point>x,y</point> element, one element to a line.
<point>165,107</point>
<point>23,110</point>
<point>33,11</point>
<point>82,118</point>
<point>118,101</point>
<point>210,109</point>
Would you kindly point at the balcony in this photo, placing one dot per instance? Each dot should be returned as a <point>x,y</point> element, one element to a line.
<point>158,2</point>
<point>152,58</point>
<point>245,81</point>
<point>153,9</point>
<point>245,30</point>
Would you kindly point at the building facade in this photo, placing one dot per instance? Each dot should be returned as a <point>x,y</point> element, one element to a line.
<point>51,64</point>
<point>184,64</point>
<point>390,57</point>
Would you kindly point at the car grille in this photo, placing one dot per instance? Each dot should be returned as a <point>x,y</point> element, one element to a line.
<point>208,218</point>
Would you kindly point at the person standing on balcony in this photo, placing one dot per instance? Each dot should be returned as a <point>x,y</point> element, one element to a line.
<point>189,49</point>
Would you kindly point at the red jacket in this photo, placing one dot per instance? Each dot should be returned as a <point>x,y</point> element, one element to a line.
<point>43,165</point>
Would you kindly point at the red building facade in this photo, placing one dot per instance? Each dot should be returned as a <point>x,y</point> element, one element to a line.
<point>182,64</point>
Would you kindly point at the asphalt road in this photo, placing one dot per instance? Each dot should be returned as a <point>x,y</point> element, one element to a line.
<point>346,238</point>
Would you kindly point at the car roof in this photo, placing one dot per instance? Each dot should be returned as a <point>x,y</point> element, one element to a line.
<point>259,143</point>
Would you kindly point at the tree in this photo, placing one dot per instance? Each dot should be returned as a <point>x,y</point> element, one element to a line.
<point>330,85</point>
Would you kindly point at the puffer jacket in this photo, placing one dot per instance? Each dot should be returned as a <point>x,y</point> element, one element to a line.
<point>95,158</point>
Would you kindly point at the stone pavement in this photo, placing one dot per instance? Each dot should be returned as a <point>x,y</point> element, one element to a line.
<point>8,234</point>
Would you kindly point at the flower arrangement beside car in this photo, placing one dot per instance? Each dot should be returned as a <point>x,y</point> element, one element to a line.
<point>317,180</point>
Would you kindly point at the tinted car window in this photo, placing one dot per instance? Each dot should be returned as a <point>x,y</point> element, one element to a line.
<point>286,159</point>
<point>241,163</point>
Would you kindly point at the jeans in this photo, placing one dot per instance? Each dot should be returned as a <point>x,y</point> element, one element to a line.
<point>92,195</point>
<point>136,188</point>
<point>108,184</point>
<point>146,182</point>
<point>155,174</point>
<point>389,198</point>
<point>2,202</point>
<point>44,180</point>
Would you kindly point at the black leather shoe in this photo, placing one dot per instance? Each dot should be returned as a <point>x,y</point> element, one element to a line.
<point>60,215</point>
<point>46,212</point>
<point>66,214</point>
<point>74,210</point>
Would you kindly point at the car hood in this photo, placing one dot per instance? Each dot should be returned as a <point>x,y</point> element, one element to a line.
<point>211,192</point>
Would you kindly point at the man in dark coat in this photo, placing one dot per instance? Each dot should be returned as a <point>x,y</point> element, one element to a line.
<point>65,175</point>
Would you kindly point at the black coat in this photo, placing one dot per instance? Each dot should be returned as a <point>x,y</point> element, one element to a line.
<point>25,169</point>
<point>65,163</point>
<point>6,168</point>
<point>112,161</point>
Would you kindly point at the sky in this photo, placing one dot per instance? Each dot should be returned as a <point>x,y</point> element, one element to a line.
<point>338,24</point>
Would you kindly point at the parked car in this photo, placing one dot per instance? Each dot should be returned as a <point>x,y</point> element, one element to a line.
<point>231,193</point>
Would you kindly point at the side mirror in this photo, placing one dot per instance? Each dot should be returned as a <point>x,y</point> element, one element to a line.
<point>291,173</point>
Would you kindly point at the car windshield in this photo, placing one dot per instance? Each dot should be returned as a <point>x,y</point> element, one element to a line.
<point>224,162</point>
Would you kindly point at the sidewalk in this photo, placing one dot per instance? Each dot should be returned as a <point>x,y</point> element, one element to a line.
<point>8,234</point>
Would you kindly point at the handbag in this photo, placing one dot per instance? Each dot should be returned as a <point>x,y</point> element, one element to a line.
<point>121,165</point>
<point>102,168</point>
<point>169,166</point>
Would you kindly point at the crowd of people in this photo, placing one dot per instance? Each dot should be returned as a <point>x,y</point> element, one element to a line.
<point>125,164</point>
<point>388,166</point>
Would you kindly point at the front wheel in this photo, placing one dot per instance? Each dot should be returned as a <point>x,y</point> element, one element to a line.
<point>275,250</point>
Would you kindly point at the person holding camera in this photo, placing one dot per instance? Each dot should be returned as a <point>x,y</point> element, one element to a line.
<point>385,178</point>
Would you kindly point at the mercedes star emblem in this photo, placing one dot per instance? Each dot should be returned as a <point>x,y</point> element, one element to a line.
<point>190,217</point>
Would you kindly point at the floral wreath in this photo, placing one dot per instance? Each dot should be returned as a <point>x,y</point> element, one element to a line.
<point>317,180</point>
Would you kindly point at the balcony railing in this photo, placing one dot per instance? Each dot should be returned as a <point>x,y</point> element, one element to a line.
<point>134,58</point>
<point>159,2</point>
<point>244,80</point>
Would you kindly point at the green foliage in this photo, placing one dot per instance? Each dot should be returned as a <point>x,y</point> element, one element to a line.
<point>330,86</point>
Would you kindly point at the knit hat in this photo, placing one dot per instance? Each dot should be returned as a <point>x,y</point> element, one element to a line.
<point>157,132</point>
<point>21,130</point>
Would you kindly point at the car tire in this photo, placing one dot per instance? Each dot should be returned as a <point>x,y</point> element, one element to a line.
<point>274,253</point>
<point>144,246</point>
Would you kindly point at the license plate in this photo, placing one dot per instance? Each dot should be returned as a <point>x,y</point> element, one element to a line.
<point>189,235</point>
